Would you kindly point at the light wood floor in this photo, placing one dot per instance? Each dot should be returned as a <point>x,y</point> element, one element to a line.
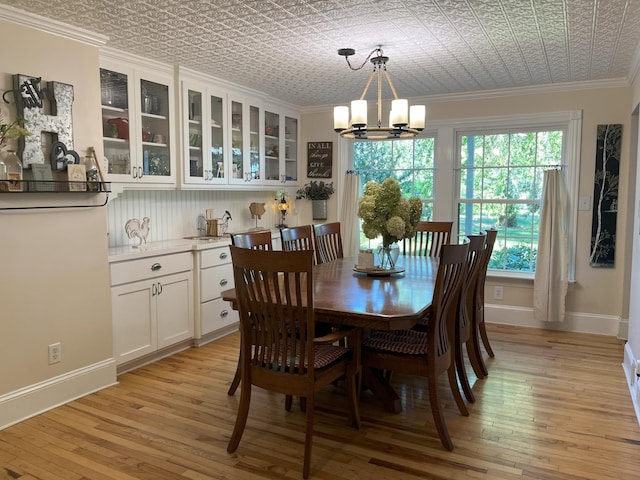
<point>555,406</point>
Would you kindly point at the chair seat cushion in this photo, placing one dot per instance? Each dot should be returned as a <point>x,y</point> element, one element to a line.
<point>325,355</point>
<point>410,342</point>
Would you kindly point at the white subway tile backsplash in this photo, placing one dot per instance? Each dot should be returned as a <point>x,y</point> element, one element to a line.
<point>174,213</point>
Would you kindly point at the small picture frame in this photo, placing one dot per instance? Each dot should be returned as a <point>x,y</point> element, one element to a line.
<point>42,177</point>
<point>77,176</point>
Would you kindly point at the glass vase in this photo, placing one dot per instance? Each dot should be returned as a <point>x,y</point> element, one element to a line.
<point>13,168</point>
<point>388,256</point>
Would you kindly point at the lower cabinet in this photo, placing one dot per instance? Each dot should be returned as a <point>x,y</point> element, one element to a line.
<point>152,304</point>
<point>215,316</point>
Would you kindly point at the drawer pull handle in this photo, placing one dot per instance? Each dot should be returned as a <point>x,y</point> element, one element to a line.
<point>223,282</point>
<point>155,267</point>
<point>223,255</point>
<point>224,313</point>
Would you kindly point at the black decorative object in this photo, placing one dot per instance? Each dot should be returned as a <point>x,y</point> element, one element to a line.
<point>61,157</point>
<point>605,196</point>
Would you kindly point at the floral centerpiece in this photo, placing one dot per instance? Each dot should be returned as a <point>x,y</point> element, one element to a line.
<point>385,212</point>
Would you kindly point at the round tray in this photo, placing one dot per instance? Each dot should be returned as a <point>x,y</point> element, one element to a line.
<point>378,272</point>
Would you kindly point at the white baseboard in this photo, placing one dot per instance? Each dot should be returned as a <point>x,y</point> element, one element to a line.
<point>629,367</point>
<point>38,398</point>
<point>574,322</point>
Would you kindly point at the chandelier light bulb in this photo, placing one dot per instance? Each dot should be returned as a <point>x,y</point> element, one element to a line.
<point>340,118</point>
<point>417,116</point>
<point>359,113</point>
<point>400,109</point>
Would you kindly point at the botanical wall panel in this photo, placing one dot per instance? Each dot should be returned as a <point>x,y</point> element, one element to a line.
<point>605,196</point>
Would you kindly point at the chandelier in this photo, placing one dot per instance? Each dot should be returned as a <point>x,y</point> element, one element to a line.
<point>403,122</point>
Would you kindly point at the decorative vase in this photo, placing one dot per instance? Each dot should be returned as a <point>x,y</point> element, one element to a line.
<point>12,171</point>
<point>388,256</point>
<point>319,209</point>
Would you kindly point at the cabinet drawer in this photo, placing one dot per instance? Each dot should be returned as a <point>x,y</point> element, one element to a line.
<point>214,280</point>
<point>215,315</point>
<point>214,257</point>
<point>150,267</point>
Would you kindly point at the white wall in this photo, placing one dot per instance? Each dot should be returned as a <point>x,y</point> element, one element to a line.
<point>55,281</point>
<point>632,347</point>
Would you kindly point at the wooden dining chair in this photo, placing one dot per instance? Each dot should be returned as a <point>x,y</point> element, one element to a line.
<point>429,238</point>
<point>464,324</point>
<point>479,331</point>
<point>278,350</point>
<point>258,240</point>
<point>431,353</point>
<point>297,238</point>
<point>328,242</point>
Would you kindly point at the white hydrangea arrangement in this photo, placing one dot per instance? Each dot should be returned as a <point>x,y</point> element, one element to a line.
<point>384,211</point>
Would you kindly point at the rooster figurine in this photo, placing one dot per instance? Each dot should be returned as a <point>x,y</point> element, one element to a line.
<point>133,228</point>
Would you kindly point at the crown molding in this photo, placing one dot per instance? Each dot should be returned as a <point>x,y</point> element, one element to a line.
<point>503,92</point>
<point>47,25</point>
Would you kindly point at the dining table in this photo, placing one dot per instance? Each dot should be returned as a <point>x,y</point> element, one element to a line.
<point>374,300</point>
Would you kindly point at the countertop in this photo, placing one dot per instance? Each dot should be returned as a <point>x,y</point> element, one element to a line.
<point>166,247</point>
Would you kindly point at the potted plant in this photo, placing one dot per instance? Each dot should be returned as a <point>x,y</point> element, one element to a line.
<point>318,192</point>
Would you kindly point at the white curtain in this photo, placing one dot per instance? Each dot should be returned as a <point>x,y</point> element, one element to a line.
<point>349,214</point>
<point>552,265</point>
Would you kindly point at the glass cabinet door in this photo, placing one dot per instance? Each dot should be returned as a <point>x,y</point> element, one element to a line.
<point>216,124</point>
<point>254,140</point>
<point>272,146</point>
<point>156,156</point>
<point>291,149</point>
<point>114,93</point>
<point>196,170</point>
<point>237,142</point>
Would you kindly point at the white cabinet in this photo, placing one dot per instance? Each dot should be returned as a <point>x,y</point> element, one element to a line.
<point>152,304</point>
<point>204,140</point>
<point>231,138</point>
<point>245,140</point>
<point>215,316</point>
<point>137,104</point>
<point>280,147</point>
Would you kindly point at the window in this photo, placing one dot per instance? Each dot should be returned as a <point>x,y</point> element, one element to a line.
<point>410,162</point>
<point>489,173</point>
<point>500,180</point>
<point>501,185</point>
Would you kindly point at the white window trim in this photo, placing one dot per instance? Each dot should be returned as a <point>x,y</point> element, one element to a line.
<point>446,165</point>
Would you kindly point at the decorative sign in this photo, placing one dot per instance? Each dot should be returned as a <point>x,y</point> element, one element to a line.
<point>319,159</point>
<point>605,196</point>
<point>29,97</point>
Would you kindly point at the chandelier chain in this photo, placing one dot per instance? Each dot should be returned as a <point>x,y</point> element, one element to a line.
<point>377,49</point>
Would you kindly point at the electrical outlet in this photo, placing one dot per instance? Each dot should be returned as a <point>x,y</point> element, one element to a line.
<point>498,292</point>
<point>55,353</point>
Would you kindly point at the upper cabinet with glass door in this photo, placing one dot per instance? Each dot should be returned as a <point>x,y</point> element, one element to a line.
<point>280,148</point>
<point>246,142</point>
<point>137,117</point>
<point>115,92</point>
<point>204,149</point>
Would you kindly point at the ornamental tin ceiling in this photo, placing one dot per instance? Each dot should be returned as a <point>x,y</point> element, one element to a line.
<point>288,48</point>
